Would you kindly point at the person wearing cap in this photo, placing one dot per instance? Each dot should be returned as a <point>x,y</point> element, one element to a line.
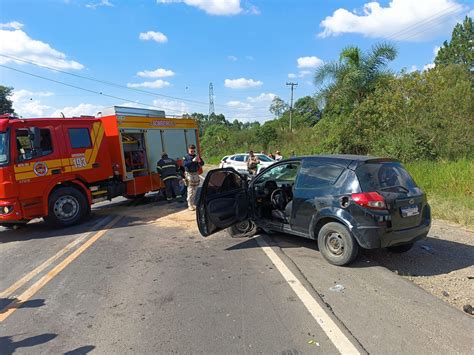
<point>278,156</point>
<point>168,170</point>
<point>192,166</point>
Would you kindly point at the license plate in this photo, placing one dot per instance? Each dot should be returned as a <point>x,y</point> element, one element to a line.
<point>409,211</point>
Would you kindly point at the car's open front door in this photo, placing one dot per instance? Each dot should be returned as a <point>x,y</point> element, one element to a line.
<point>222,201</point>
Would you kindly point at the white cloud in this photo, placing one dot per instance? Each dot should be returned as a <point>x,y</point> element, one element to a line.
<point>157,84</point>
<point>436,50</point>
<point>79,110</point>
<point>242,83</point>
<point>173,107</point>
<point>12,25</point>
<point>17,43</point>
<point>153,36</point>
<point>211,7</point>
<point>309,62</point>
<point>413,69</point>
<point>27,104</point>
<point>262,98</point>
<point>99,4</point>
<point>401,20</point>
<point>291,75</point>
<point>249,58</point>
<point>157,73</point>
<point>428,66</point>
<point>232,58</point>
<point>239,105</point>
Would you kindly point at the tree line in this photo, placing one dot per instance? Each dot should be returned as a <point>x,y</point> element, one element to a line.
<point>362,107</point>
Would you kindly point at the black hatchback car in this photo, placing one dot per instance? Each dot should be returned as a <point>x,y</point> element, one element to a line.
<point>343,201</point>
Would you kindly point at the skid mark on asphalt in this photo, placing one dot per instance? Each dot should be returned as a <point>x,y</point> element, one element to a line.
<point>334,333</point>
<point>25,296</point>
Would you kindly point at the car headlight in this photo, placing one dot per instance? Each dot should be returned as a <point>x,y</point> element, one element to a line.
<point>7,209</point>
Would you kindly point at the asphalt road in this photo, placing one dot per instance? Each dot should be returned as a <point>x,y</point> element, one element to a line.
<point>138,278</point>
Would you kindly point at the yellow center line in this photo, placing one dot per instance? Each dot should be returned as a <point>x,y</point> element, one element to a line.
<point>8,292</point>
<point>25,296</point>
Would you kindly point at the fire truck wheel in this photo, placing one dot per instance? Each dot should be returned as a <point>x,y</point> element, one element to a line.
<point>67,206</point>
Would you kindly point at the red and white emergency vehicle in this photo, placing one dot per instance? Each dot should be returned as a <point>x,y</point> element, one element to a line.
<point>56,168</point>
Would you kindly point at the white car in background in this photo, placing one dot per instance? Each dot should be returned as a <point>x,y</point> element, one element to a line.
<point>239,162</point>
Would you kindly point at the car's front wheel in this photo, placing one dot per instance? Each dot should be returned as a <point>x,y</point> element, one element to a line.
<point>336,244</point>
<point>244,229</point>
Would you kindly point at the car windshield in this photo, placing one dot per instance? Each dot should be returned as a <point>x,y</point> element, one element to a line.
<point>384,176</point>
<point>4,148</point>
<point>263,157</point>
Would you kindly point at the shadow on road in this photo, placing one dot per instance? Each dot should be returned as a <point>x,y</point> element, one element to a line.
<point>9,346</point>
<point>81,351</point>
<point>40,230</point>
<point>4,302</point>
<point>429,257</point>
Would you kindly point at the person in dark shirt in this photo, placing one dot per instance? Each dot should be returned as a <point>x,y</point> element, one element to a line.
<point>168,170</point>
<point>192,166</point>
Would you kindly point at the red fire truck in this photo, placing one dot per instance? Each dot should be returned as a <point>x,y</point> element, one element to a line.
<point>56,168</point>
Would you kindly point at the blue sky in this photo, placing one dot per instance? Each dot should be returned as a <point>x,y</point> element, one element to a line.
<point>173,49</point>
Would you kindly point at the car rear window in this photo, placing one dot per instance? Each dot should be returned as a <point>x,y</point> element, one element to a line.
<point>383,176</point>
<point>315,174</point>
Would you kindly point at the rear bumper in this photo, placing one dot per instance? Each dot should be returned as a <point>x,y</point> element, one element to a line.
<point>14,214</point>
<point>373,237</point>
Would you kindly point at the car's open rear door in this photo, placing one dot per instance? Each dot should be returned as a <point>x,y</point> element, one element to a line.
<point>222,201</point>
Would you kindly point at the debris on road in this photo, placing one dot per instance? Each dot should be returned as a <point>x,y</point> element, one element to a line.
<point>445,294</point>
<point>468,309</point>
<point>427,248</point>
<point>337,288</point>
<point>312,342</point>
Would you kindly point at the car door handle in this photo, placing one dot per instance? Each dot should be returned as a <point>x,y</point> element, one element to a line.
<point>56,171</point>
<point>95,165</point>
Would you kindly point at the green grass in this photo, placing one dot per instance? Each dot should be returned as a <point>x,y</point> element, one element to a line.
<point>449,186</point>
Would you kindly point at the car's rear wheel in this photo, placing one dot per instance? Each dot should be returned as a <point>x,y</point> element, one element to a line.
<point>400,248</point>
<point>244,229</point>
<point>336,244</point>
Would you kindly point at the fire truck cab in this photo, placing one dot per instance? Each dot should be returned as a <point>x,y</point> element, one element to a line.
<point>56,168</point>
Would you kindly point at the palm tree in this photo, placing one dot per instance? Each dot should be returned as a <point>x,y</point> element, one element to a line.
<point>350,79</point>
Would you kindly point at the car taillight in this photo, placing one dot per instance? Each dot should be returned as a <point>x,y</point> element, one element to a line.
<point>371,200</point>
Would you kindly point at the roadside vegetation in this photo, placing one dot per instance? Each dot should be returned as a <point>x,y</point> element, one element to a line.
<point>423,118</point>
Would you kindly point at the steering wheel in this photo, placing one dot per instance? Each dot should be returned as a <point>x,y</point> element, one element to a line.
<point>279,199</point>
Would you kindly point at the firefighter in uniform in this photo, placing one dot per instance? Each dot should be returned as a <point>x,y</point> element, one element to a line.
<point>192,166</point>
<point>168,170</point>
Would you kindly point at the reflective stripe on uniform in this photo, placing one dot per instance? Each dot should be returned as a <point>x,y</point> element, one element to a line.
<point>169,177</point>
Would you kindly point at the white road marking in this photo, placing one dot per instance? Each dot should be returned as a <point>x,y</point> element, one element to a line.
<point>334,333</point>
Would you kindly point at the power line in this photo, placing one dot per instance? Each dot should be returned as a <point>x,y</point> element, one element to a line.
<point>97,92</point>
<point>115,84</point>
<point>443,13</point>
<point>102,81</point>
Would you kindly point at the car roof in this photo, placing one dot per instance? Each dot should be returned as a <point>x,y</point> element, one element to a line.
<point>349,160</point>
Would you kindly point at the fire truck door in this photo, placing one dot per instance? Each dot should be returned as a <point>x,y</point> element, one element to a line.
<point>37,157</point>
<point>83,140</point>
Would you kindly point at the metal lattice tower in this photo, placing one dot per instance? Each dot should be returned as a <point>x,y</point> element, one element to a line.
<point>211,99</point>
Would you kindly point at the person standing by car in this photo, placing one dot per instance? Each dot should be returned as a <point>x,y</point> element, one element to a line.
<point>192,164</point>
<point>278,156</point>
<point>252,163</point>
<point>168,170</point>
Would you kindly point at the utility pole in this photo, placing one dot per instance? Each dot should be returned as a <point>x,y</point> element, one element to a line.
<point>291,101</point>
<point>211,99</point>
